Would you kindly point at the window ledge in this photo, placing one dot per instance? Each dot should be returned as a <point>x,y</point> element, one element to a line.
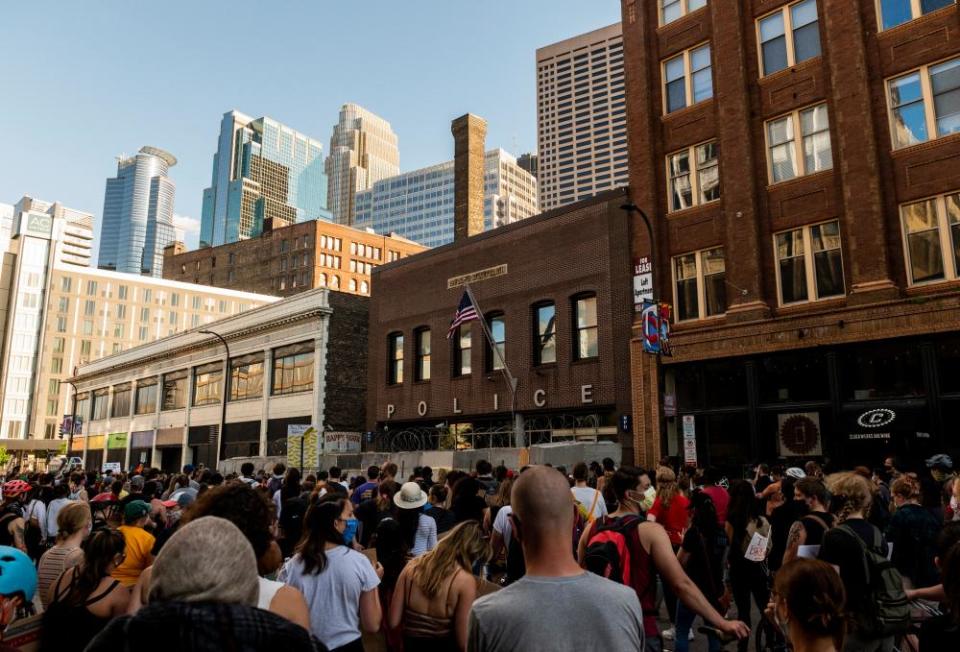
<point>913,22</point>
<point>779,185</point>
<point>585,361</point>
<point>673,115</point>
<point>927,144</point>
<point>790,70</point>
<point>695,210</point>
<point>816,304</point>
<point>933,287</point>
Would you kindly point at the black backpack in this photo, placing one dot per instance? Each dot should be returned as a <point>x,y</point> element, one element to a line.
<point>291,522</point>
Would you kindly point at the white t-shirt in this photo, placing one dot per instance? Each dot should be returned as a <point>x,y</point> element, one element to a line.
<point>268,589</point>
<point>503,525</point>
<point>333,596</point>
<point>585,496</point>
<point>37,510</point>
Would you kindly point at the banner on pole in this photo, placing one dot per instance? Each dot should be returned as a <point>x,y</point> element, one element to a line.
<point>655,322</point>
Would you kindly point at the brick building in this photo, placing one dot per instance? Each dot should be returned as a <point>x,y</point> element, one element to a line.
<point>555,291</point>
<point>287,260</point>
<point>801,166</point>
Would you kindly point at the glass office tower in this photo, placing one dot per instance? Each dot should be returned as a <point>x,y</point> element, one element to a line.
<point>262,170</point>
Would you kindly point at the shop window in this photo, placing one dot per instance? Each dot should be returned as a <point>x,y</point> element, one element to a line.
<point>925,103</point>
<point>700,284</point>
<point>881,370</point>
<point>694,176</point>
<point>897,12</point>
<point>246,377</point>
<point>809,263</point>
<point>498,331</point>
<point>146,397</point>
<point>793,377</point>
<point>423,343</point>
<point>930,228</point>
<point>687,79</point>
<point>948,366</point>
<point>789,36</point>
<point>586,327</point>
<point>462,349</point>
<point>799,144</point>
<point>395,359</point>
<point>545,333</point>
<point>101,401</point>
<point>121,401</point>
<point>293,369</point>
<point>206,384</point>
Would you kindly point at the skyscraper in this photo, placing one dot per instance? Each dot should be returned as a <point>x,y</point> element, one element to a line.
<point>581,117</point>
<point>363,150</point>
<point>138,214</point>
<point>418,205</point>
<point>262,170</point>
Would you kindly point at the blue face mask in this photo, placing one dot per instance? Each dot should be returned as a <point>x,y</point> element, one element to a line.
<point>351,531</point>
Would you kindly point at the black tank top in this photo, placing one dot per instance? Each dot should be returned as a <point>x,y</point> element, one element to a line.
<point>72,627</point>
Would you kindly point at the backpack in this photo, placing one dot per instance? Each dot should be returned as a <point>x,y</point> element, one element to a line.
<point>291,522</point>
<point>33,535</point>
<point>888,611</point>
<point>608,552</point>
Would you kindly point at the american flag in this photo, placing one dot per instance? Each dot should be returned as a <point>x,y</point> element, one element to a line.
<point>466,311</point>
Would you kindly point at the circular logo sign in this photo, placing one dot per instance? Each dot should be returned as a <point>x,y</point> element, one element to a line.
<point>799,435</point>
<point>877,418</point>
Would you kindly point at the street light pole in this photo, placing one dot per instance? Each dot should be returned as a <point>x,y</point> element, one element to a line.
<point>73,419</point>
<point>223,402</point>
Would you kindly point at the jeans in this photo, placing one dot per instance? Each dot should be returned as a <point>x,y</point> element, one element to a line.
<point>684,621</point>
<point>748,579</point>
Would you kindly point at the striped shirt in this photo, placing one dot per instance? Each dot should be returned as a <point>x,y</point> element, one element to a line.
<point>52,564</point>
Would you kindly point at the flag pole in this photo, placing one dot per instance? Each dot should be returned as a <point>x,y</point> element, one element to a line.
<point>511,379</point>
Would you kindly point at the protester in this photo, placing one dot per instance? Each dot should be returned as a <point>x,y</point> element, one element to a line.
<point>719,495</point>
<point>370,512</point>
<point>418,530</point>
<point>591,500</point>
<point>11,515</point>
<point>941,633</point>
<point>782,517</point>
<point>585,612</point>
<point>467,503</point>
<point>289,488</point>
<point>435,593</point>
<point>35,523</point>
<point>670,509</point>
<point>338,583</point>
<point>203,593</point>
<point>368,489</point>
<point>334,476</point>
<point>18,585</point>
<point>495,503</point>
<point>86,597</point>
<point>246,474</point>
<point>291,508</point>
<point>845,547</point>
<point>807,606</point>
<point>809,530</point>
<point>60,500</point>
<point>485,477</point>
<point>702,557</point>
<point>748,576</point>
<point>139,543</point>
<point>73,526</point>
<point>650,552</point>
<point>913,533</point>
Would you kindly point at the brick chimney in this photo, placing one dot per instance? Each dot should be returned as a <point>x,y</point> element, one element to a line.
<point>469,135</point>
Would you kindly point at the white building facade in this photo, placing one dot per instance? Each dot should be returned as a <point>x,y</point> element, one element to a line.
<point>581,117</point>
<point>160,404</point>
<point>418,205</point>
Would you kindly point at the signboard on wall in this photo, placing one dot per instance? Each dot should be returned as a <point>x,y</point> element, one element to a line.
<point>342,442</point>
<point>642,282</point>
<point>689,440</point>
<point>117,440</point>
<point>798,434</point>
<point>302,446</point>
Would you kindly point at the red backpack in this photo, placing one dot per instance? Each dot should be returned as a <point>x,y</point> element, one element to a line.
<point>608,550</point>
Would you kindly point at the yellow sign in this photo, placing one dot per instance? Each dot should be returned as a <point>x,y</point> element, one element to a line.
<point>474,277</point>
<point>303,446</point>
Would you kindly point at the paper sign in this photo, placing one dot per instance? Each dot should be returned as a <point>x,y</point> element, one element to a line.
<point>111,466</point>
<point>757,550</point>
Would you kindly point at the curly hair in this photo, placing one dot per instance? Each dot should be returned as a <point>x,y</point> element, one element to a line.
<point>850,492</point>
<point>243,506</point>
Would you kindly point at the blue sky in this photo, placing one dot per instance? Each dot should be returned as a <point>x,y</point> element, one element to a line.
<point>86,81</point>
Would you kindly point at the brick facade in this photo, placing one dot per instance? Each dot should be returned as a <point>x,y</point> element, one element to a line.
<point>864,190</point>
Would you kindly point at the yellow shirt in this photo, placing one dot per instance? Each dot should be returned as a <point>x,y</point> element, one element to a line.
<point>139,553</point>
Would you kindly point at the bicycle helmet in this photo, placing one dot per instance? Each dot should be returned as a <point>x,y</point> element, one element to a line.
<point>796,473</point>
<point>15,487</point>
<point>17,574</point>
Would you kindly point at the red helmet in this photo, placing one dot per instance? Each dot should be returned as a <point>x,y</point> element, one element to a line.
<point>15,487</point>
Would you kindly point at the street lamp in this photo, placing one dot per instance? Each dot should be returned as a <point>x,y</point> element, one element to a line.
<point>223,402</point>
<point>632,208</point>
<point>73,419</point>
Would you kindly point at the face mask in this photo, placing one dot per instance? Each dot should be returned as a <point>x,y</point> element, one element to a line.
<point>351,530</point>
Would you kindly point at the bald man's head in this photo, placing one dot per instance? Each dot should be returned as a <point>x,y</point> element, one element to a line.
<point>543,503</point>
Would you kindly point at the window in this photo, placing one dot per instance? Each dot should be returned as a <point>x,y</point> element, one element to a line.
<point>82,406</point>
<point>586,328</point>
<point>85,346</point>
<point>59,344</point>
<point>931,227</point>
<point>462,348</point>
<point>64,305</point>
<point>122,293</point>
<point>422,342</point>
<point>293,369</point>
<point>121,401</point>
<point>789,36</point>
<point>61,324</point>
<point>693,188</point>
<point>146,396</point>
<point>700,284</point>
<point>498,332</point>
<point>545,333</point>
<point>246,377</point>
<point>66,284</point>
<point>924,102</point>
<point>101,399</point>
<point>897,12</point>
<point>809,263</point>
<point>799,144</point>
<point>395,359</point>
<point>671,10</point>
<point>91,288</point>
<point>56,365</point>
<point>206,384</point>
<point>175,390</point>
<point>687,79</point>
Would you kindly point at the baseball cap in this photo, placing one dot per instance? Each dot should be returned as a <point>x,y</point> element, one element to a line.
<point>135,509</point>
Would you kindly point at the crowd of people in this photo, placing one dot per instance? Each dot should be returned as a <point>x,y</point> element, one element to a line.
<point>495,559</point>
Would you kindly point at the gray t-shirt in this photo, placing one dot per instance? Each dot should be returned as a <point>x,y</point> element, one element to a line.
<point>561,614</point>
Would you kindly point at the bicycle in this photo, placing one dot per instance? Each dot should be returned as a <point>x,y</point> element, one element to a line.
<point>920,611</point>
